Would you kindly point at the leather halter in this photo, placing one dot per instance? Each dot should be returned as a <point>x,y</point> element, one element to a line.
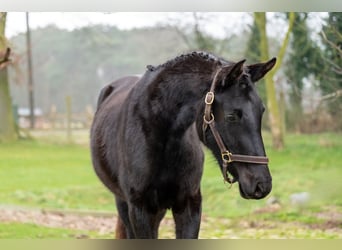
<point>226,155</point>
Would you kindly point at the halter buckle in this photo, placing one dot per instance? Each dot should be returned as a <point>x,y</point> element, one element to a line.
<point>226,157</point>
<point>209,98</point>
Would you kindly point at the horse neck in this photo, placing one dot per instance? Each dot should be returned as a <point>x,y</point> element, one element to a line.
<point>190,75</point>
<point>195,83</point>
<point>175,99</point>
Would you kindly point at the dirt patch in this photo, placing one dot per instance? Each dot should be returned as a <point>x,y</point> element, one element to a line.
<point>330,213</point>
<point>101,224</point>
<point>104,224</point>
<point>332,218</point>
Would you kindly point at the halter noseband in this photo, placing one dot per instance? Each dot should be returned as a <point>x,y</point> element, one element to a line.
<point>226,155</point>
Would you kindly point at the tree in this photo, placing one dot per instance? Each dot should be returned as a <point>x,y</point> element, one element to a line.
<point>253,49</point>
<point>189,26</point>
<point>253,54</point>
<point>7,124</point>
<point>85,59</point>
<point>303,61</point>
<point>274,115</point>
<point>330,79</point>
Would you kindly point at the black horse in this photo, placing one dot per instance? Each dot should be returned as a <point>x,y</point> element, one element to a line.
<point>147,132</point>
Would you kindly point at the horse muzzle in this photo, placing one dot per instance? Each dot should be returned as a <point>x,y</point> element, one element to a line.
<point>259,191</point>
<point>255,185</point>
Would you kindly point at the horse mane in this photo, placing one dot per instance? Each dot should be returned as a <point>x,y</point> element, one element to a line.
<point>191,61</point>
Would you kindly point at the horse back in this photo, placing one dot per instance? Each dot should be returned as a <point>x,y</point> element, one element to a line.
<point>117,87</point>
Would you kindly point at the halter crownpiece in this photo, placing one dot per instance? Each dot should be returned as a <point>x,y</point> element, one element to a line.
<point>226,155</point>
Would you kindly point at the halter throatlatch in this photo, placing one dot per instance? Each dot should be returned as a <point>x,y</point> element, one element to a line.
<point>226,155</point>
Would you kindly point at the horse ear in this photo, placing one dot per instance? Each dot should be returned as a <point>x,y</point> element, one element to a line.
<point>233,73</point>
<point>258,70</point>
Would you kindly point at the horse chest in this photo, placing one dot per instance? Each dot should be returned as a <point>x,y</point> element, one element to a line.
<point>167,193</point>
<point>167,186</point>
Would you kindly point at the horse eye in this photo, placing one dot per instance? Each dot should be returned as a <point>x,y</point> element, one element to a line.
<point>234,116</point>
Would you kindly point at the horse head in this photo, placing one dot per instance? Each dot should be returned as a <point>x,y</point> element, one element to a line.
<point>235,108</point>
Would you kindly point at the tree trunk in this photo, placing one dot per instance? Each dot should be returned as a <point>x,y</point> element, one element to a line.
<point>7,124</point>
<point>275,119</point>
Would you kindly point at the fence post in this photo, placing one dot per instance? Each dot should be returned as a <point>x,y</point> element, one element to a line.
<point>68,111</point>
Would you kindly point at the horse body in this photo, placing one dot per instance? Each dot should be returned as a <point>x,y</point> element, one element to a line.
<point>161,166</point>
<point>146,149</point>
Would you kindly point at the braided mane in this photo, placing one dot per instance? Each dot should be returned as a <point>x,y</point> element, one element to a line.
<point>196,59</point>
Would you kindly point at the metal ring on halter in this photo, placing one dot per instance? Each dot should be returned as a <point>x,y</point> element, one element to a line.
<point>226,156</point>
<point>211,119</point>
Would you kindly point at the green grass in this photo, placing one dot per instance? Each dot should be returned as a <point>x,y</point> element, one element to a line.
<point>32,231</point>
<point>45,175</point>
<point>38,174</point>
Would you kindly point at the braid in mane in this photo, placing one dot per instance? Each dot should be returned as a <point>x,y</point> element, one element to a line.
<point>190,61</point>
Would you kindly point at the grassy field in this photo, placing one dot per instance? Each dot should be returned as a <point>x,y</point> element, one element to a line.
<point>33,231</point>
<point>44,174</point>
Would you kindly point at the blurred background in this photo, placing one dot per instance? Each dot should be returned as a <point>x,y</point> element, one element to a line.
<point>53,65</point>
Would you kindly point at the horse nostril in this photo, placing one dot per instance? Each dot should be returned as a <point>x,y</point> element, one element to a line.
<point>258,193</point>
<point>262,189</point>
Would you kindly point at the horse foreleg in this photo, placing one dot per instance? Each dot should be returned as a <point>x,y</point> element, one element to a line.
<point>145,224</point>
<point>123,224</point>
<point>187,218</point>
